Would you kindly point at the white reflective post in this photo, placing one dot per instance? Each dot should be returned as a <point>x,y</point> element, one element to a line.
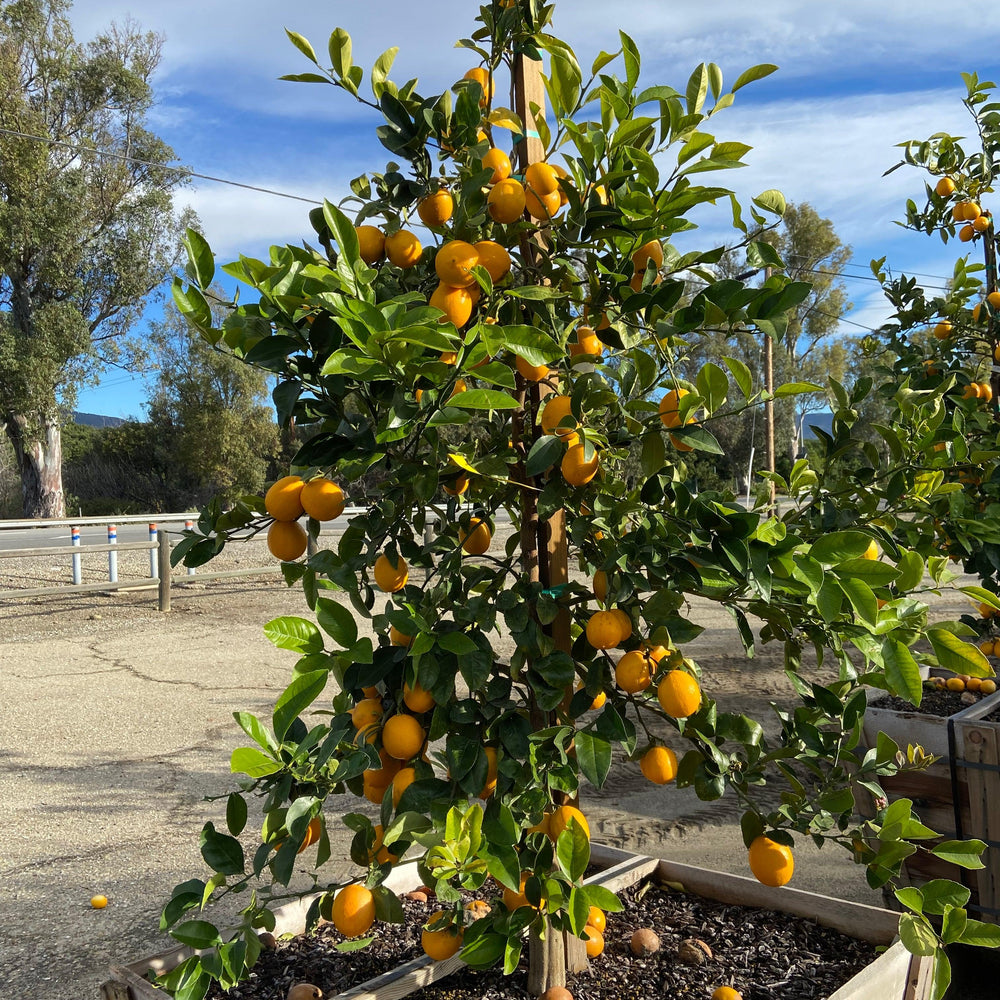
<point>112,555</point>
<point>188,525</point>
<point>77,572</point>
<point>153,567</point>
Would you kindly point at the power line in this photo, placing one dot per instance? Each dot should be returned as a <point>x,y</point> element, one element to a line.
<point>871,277</point>
<point>162,166</point>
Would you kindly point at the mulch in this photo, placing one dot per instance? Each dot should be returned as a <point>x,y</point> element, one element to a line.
<point>942,703</point>
<point>764,954</point>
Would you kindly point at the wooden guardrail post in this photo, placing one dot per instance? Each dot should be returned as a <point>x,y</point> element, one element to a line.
<point>164,569</point>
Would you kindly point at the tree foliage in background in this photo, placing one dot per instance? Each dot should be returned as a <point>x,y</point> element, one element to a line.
<point>84,237</point>
<point>808,349</point>
<point>213,412</point>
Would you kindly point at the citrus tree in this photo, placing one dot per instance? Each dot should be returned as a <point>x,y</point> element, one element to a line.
<point>507,369</point>
<point>944,344</point>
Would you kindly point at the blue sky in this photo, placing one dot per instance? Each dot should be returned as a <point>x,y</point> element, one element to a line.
<point>855,78</point>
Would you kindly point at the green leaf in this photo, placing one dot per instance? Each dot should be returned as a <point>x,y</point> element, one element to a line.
<point>911,571</point>
<point>741,374</point>
<point>197,934</point>
<point>954,654</point>
<point>248,760</point>
<point>753,74</point>
<point>354,944</point>
<point>535,346</point>
<point>388,908</point>
<point>964,853</point>
<point>340,52</point>
<point>839,546</point>
<point>193,306</point>
<point>305,78</point>
<point>796,389</point>
<point>594,757</point>
<point>713,386</point>
<point>917,935</point>
<point>604,899</point>
<point>290,632</point>
<point>483,399</point>
<point>380,70</point>
<point>254,728</point>
<point>941,892</point>
<point>862,599</point>
<point>771,200</point>
<point>301,693</point>
<point>545,452</point>
<point>236,813</point>
<point>302,44</point>
<point>983,596</point>
<point>874,572</point>
<point>698,438</point>
<point>902,671</point>
<point>221,853</point>
<point>201,263</point>
<point>953,925</point>
<point>337,621</point>
<point>942,974</point>
<point>911,898</point>
<point>980,934</point>
<point>482,951</point>
<point>573,851</point>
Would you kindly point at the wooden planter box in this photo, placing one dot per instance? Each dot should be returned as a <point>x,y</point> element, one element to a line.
<point>959,795</point>
<point>894,975</point>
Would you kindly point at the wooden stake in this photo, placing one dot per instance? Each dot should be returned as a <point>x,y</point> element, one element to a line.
<point>769,405</point>
<point>558,953</point>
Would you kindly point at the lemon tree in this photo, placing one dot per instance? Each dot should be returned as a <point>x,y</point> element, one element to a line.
<point>483,333</point>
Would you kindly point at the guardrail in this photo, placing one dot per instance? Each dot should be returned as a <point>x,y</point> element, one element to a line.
<point>158,547</point>
<point>159,579</point>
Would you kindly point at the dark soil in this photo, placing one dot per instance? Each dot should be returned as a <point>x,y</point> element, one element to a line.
<point>763,954</point>
<point>943,703</point>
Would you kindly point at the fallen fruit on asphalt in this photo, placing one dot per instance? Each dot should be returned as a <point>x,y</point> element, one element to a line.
<point>98,902</point>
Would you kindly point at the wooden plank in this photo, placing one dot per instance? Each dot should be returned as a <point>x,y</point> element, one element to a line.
<point>859,920</point>
<point>887,977</point>
<point>982,707</point>
<point>930,731</point>
<point>920,983</point>
<point>623,869</point>
<point>979,745</point>
<point>528,90</point>
<point>126,985</point>
<point>406,979</point>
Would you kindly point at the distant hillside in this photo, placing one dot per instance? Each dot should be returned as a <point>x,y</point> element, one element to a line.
<point>823,420</point>
<point>96,419</point>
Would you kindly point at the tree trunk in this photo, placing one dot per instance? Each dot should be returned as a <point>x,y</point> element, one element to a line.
<point>37,442</point>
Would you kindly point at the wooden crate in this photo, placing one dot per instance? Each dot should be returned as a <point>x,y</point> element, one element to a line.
<point>959,795</point>
<point>894,975</point>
